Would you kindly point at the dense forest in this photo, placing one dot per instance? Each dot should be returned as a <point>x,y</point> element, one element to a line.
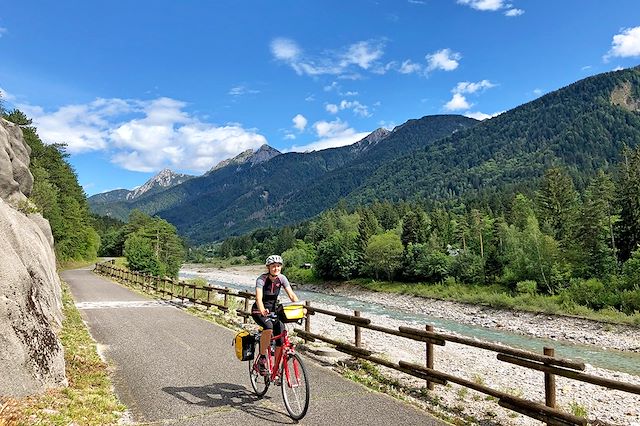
<point>57,195</point>
<point>555,239</point>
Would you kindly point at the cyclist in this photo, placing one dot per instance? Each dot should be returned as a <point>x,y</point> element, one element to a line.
<point>267,290</point>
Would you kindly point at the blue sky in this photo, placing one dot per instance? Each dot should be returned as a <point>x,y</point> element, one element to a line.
<point>136,86</point>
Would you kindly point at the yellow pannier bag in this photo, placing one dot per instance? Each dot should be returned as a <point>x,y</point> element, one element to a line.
<point>245,345</point>
<point>291,312</point>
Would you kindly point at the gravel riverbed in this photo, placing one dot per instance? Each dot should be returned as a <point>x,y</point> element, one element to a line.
<point>603,406</point>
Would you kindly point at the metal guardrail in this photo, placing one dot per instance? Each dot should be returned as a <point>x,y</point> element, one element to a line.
<point>547,363</point>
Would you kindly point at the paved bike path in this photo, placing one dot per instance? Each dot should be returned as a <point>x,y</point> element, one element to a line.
<point>173,368</point>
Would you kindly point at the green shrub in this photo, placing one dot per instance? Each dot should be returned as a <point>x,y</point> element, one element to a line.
<point>527,287</point>
<point>590,293</point>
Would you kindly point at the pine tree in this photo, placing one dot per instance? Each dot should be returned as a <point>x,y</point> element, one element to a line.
<point>557,205</point>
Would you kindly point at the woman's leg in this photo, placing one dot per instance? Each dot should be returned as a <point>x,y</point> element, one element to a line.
<point>265,341</point>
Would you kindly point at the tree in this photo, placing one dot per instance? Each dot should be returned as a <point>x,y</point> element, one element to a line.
<point>415,227</point>
<point>156,239</point>
<point>557,205</point>
<point>384,254</point>
<point>594,255</point>
<point>336,257</point>
<point>628,202</point>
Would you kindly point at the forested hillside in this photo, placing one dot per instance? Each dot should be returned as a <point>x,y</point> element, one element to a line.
<point>57,195</point>
<point>582,127</point>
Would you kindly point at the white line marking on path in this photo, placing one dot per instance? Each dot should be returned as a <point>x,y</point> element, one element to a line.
<point>123,304</point>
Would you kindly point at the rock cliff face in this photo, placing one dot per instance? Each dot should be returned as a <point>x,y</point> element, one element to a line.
<point>31,356</point>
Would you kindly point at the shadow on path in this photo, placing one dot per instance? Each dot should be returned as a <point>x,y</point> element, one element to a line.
<point>228,395</point>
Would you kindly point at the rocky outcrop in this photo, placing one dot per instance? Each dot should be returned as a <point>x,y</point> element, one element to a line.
<point>31,356</point>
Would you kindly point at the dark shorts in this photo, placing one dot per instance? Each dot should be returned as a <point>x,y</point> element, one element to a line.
<point>269,324</point>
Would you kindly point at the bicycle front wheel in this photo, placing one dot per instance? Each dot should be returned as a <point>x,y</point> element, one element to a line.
<point>295,386</point>
<point>259,383</point>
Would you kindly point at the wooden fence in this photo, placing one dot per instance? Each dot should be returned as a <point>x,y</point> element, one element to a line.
<point>546,362</point>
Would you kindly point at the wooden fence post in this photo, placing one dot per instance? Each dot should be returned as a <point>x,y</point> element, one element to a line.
<point>430,384</point>
<point>307,320</point>
<point>246,308</point>
<point>226,297</point>
<point>358,337</point>
<point>549,382</point>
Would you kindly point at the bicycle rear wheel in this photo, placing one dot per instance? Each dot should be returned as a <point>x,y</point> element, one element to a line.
<point>259,383</point>
<point>295,386</point>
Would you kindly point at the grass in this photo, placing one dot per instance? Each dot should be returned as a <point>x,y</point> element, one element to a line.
<point>88,400</point>
<point>578,410</point>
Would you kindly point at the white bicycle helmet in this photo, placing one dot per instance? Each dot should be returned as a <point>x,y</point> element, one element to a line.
<point>274,258</point>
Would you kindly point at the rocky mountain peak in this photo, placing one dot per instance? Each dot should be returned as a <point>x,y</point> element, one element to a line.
<point>372,139</point>
<point>262,154</point>
<point>166,178</point>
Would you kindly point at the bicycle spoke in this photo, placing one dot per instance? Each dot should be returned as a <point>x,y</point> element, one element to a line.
<point>295,386</point>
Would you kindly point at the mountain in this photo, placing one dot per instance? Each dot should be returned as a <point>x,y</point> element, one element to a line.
<point>288,187</point>
<point>101,203</point>
<point>264,153</point>
<point>237,196</point>
<point>581,127</point>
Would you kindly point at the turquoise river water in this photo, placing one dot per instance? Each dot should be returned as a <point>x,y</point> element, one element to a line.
<point>628,362</point>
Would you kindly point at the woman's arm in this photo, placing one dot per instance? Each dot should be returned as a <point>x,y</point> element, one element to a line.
<point>291,294</point>
<point>259,303</point>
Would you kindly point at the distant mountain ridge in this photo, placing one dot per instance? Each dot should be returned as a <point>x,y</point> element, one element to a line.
<point>581,127</point>
<point>165,179</point>
<point>237,196</point>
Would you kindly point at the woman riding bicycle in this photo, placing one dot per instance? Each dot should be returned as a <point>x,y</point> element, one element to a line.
<point>267,290</point>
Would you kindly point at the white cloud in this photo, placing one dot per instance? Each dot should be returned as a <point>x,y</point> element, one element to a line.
<point>242,90</point>
<point>443,59</point>
<point>143,135</point>
<point>537,92</point>
<point>310,98</point>
<point>285,49</point>
<point>618,68</point>
<point>468,87</point>
<point>457,102</point>
<point>514,12</point>
<point>299,122</point>
<point>355,106</point>
<point>331,134</point>
<point>481,115</point>
<point>2,31</point>
<point>491,5</point>
<point>6,96</point>
<point>350,93</point>
<point>330,129</point>
<point>625,45</point>
<point>333,86</point>
<point>332,108</point>
<point>362,54</point>
<point>409,67</point>
<point>343,63</point>
<point>417,2</point>
<point>289,136</point>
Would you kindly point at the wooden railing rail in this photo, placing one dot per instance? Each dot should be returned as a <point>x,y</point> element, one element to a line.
<point>547,362</point>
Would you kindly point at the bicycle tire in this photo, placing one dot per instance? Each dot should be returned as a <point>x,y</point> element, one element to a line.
<point>295,386</point>
<point>259,383</point>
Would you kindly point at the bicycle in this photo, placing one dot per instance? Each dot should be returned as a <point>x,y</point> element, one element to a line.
<point>288,372</point>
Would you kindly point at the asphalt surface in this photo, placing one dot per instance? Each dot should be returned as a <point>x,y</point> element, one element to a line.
<point>173,368</point>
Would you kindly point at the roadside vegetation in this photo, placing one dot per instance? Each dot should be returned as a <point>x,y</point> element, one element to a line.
<point>88,400</point>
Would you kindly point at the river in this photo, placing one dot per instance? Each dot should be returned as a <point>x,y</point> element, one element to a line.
<point>628,362</point>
